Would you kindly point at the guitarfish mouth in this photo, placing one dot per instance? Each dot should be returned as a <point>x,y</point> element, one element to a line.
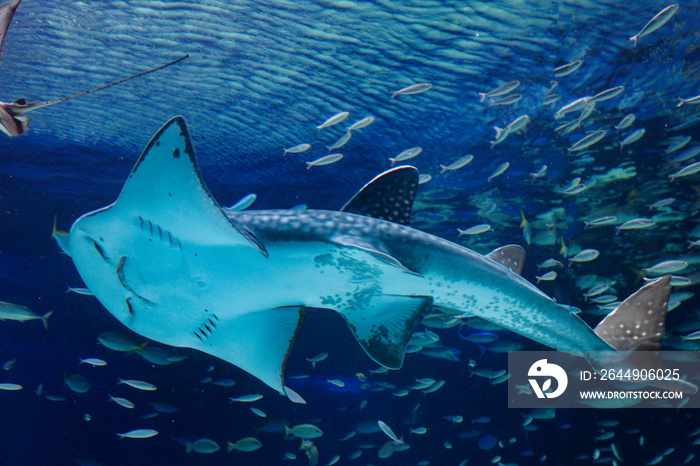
<point>102,270</point>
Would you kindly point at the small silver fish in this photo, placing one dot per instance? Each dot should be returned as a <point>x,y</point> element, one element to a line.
<point>549,276</point>
<point>10,386</point>
<point>334,120</point>
<point>327,160</point>
<point>297,149</point>
<point>568,127</point>
<point>500,90</point>
<point>626,122</point>
<point>138,433</point>
<point>550,263</point>
<point>588,141</point>
<point>414,89</point>
<point>455,419</point>
<point>666,267</point>
<point>691,169</point>
<point>93,362</point>
<point>600,221</point>
<point>203,445</point>
<point>139,384</point>
<point>636,224</point>
<point>567,69</point>
<point>243,203</point>
<point>363,123</point>
<point>341,142</point>
<point>586,255</point>
<point>475,230</point>
<point>499,171</point>
<point>258,412</point>
<point>247,444</point>
<point>121,401</point>
<point>574,106</point>
<point>407,154</point>
<point>633,137</point>
<point>390,433</point>
<point>435,387</point>
<point>662,203</point>
<point>246,398</point>
<point>510,100</point>
<point>687,154</point>
<point>606,94</point>
<point>9,311</point>
<point>679,143</point>
<point>519,123</point>
<point>303,431</point>
<point>656,22</point>
<point>456,165</point>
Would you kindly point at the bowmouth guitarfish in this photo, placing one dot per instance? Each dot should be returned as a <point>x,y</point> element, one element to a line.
<point>171,265</point>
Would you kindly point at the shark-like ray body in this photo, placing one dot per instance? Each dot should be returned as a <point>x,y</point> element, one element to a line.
<point>171,265</point>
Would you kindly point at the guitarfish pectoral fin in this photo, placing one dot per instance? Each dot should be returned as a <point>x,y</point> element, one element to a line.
<point>257,342</point>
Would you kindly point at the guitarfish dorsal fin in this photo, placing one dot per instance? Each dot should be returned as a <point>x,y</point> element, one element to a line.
<point>510,256</point>
<point>389,196</point>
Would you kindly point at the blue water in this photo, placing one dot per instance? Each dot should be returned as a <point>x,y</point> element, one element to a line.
<point>260,77</point>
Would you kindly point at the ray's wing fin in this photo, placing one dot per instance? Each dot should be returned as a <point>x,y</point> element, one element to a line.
<point>166,187</point>
<point>9,124</point>
<point>389,196</point>
<point>7,11</point>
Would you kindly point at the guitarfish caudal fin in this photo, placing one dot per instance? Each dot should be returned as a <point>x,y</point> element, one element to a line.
<point>638,323</point>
